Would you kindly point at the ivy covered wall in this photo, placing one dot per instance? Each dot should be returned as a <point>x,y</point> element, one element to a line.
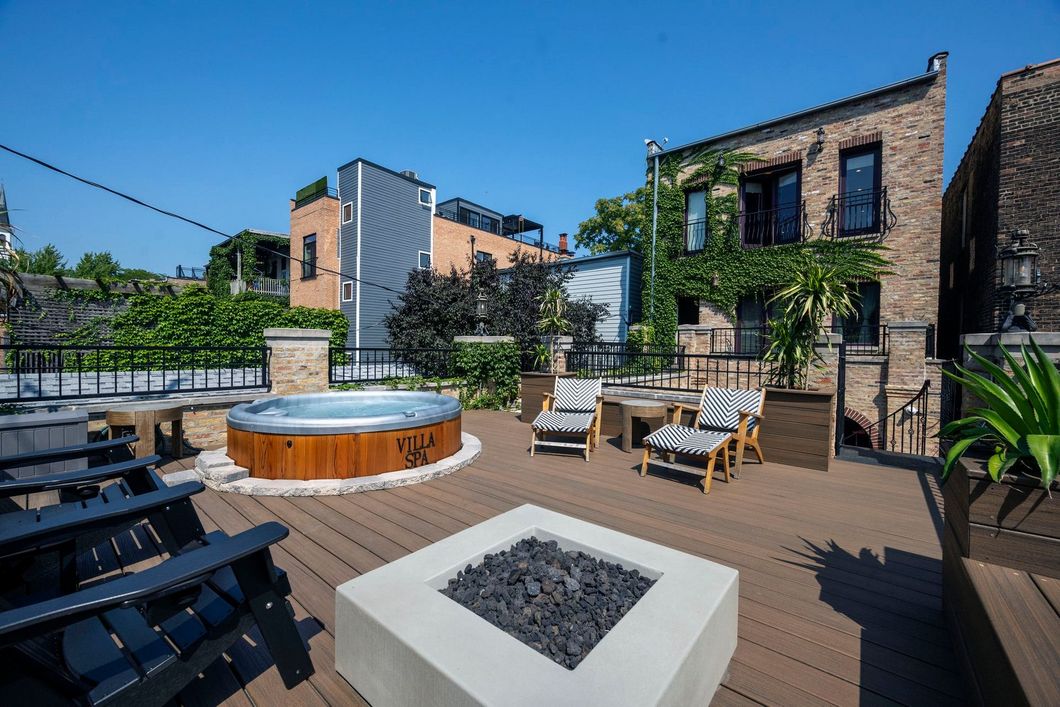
<point>724,272</point>
<point>221,269</point>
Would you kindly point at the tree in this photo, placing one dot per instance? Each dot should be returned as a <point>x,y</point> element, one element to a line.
<point>619,224</point>
<point>47,260</point>
<point>97,266</point>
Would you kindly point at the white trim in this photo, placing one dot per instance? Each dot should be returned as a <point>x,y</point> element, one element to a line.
<point>434,201</point>
<point>430,195</point>
<point>357,306</point>
<point>419,262</point>
<point>342,291</point>
<point>344,219</point>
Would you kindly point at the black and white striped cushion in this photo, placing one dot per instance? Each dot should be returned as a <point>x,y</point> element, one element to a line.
<point>576,395</point>
<point>548,421</point>
<point>720,408</point>
<point>685,440</point>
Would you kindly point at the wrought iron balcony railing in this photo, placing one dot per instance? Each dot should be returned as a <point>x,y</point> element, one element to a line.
<point>696,234</point>
<point>862,213</point>
<point>780,226</point>
<point>861,340</point>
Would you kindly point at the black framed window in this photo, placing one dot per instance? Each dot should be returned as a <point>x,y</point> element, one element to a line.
<point>695,221</point>
<point>753,313</point>
<point>860,190</point>
<point>483,257</point>
<point>771,207</point>
<point>309,256</point>
<point>687,310</point>
<point>863,326</point>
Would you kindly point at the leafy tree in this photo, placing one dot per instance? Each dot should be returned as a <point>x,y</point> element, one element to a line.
<point>97,266</point>
<point>619,224</point>
<point>127,274</point>
<point>47,260</point>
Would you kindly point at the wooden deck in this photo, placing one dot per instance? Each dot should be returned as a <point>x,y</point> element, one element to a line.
<point>840,572</point>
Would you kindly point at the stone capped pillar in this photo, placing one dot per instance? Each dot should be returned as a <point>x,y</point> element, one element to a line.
<point>907,348</point>
<point>298,361</point>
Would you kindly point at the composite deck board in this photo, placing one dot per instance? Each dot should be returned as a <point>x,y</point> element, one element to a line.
<point>840,580</point>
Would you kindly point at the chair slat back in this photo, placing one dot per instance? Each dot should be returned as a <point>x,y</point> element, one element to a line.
<point>577,394</point>
<point>719,409</point>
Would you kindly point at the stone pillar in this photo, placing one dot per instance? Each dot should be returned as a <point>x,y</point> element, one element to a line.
<point>906,362</point>
<point>825,373</point>
<point>298,360</point>
<point>989,347</point>
<point>694,337</point>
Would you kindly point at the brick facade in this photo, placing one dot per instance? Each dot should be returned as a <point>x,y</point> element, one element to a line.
<point>298,360</point>
<point>320,218</point>
<point>1009,178</point>
<point>452,246</point>
<point>908,123</point>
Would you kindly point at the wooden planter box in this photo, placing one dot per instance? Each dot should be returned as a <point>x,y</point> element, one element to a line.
<point>798,427</point>
<point>533,386</point>
<point>1001,585</point>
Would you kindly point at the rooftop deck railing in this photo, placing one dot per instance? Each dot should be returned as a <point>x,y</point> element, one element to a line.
<point>667,369</point>
<point>310,198</point>
<point>752,342</point>
<point>379,365</point>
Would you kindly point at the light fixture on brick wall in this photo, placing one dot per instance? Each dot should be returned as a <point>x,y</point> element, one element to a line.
<point>481,312</point>
<point>1020,279</point>
<point>820,139</point>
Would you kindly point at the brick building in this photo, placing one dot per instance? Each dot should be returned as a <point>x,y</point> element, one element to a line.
<point>1008,179</point>
<point>868,165</point>
<point>465,230</point>
<point>315,239</point>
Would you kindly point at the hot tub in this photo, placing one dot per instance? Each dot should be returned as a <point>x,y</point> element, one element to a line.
<point>343,434</point>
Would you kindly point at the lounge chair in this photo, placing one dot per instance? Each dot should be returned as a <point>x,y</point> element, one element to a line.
<point>171,621</point>
<point>573,410</point>
<point>725,415</point>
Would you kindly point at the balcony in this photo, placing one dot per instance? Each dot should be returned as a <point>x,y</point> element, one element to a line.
<point>269,286</point>
<point>696,234</point>
<point>313,196</point>
<point>860,214</point>
<point>783,225</point>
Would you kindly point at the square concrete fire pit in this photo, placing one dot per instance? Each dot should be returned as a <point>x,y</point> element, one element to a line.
<point>399,641</point>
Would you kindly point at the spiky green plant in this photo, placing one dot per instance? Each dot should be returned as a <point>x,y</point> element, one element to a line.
<point>552,321</point>
<point>816,291</point>
<point>1021,417</point>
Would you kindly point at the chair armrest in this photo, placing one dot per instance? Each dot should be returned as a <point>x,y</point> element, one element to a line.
<point>74,479</point>
<point>77,451</point>
<point>174,575</point>
<point>679,410</point>
<point>548,399</point>
<point>72,520</point>
<point>748,413</point>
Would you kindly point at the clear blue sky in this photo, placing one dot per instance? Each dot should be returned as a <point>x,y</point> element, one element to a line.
<point>221,110</point>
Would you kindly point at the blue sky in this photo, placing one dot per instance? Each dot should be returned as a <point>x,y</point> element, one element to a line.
<point>223,110</point>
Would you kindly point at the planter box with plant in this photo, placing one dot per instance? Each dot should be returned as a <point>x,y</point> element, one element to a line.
<point>1001,543</point>
<point>534,384</point>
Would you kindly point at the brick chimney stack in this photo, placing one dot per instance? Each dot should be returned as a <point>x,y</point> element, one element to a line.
<point>563,243</point>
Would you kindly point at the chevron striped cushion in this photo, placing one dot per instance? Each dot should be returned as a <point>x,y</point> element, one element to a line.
<point>685,440</point>
<point>548,421</point>
<point>576,395</point>
<point>720,408</point>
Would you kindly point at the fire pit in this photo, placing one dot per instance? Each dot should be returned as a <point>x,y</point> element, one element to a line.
<point>661,632</point>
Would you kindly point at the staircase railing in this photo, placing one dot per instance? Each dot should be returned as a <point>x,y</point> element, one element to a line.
<point>906,429</point>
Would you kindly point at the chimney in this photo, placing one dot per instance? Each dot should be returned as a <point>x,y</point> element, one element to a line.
<point>563,243</point>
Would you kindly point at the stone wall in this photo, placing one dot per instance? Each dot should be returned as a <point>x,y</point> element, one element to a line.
<point>319,218</point>
<point>298,360</point>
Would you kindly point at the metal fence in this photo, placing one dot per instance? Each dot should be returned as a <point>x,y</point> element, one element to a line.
<point>671,369</point>
<point>376,365</point>
<point>861,340</point>
<point>904,431</point>
<point>30,373</point>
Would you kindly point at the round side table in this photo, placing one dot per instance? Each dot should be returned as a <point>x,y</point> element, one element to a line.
<point>143,417</point>
<point>651,412</point>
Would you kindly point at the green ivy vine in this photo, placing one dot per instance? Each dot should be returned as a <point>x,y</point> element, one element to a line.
<point>221,269</point>
<point>724,272</point>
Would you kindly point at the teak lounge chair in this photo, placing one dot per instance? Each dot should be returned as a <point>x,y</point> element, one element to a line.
<point>573,410</point>
<point>725,415</point>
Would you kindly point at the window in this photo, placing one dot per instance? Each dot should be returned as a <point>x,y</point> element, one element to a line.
<point>425,260</point>
<point>695,221</point>
<point>860,194</point>
<point>309,256</point>
<point>425,197</point>
<point>347,291</point>
<point>863,326</point>
<point>482,256</point>
<point>771,208</point>
<point>489,224</point>
<point>753,313</point>
<point>347,212</point>
<point>687,310</point>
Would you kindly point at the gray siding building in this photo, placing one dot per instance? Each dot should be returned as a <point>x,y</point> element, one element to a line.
<point>612,279</point>
<point>385,231</point>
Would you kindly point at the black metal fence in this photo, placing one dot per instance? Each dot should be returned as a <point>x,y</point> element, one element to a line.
<point>666,369</point>
<point>904,431</point>
<point>30,373</point>
<point>376,365</point>
<point>861,340</point>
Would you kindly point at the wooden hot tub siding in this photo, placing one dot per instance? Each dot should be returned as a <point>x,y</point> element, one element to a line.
<point>340,456</point>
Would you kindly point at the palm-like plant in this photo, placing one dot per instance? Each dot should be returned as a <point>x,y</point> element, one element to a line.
<point>1021,415</point>
<point>815,292</point>
<point>551,322</point>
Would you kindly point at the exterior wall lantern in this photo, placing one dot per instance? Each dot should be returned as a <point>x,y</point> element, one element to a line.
<point>1020,279</point>
<point>481,312</point>
<point>820,139</point>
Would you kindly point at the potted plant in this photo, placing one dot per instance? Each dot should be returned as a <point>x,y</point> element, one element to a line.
<point>551,324</point>
<point>800,415</point>
<point>1002,525</point>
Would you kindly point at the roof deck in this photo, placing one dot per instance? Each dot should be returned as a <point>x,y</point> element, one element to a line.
<point>840,572</point>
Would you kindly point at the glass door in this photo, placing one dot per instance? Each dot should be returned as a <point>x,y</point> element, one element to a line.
<point>695,221</point>
<point>859,191</point>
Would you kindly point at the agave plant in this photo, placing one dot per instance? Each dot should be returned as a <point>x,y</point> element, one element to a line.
<point>1020,417</point>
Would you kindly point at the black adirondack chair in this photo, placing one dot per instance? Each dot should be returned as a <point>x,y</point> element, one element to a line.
<point>172,621</point>
<point>88,512</point>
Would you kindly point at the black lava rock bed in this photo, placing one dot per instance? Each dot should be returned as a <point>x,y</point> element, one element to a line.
<point>559,603</point>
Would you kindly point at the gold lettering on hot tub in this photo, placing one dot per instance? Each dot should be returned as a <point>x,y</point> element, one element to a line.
<point>415,447</point>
